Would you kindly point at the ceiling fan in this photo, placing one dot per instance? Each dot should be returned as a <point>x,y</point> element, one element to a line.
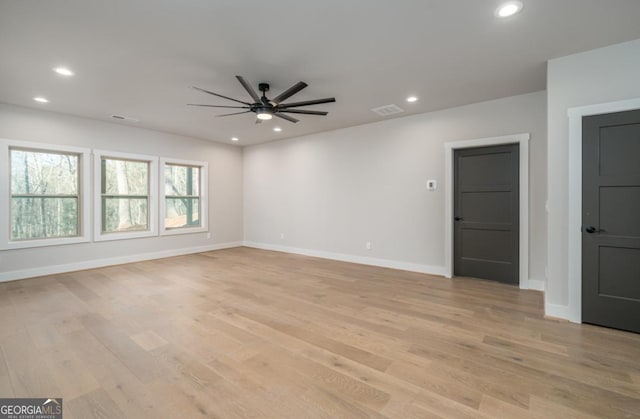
<point>265,108</point>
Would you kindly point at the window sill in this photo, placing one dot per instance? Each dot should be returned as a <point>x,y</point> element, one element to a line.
<point>28,244</point>
<point>183,230</point>
<point>100,237</point>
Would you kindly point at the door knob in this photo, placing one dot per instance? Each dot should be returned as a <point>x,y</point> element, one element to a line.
<point>458,218</point>
<point>590,229</point>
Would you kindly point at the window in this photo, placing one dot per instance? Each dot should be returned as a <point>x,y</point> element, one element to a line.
<point>125,198</point>
<point>44,194</point>
<point>124,195</point>
<point>182,196</point>
<point>183,206</point>
<point>47,198</point>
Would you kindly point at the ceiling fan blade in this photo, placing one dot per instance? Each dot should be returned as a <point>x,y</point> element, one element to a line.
<point>307,103</point>
<point>217,106</point>
<point>287,117</point>
<point>305,112</point>
<point>289,92</point>
<point>248,88</point>
<point>229,114</point>
<point>215,94</point>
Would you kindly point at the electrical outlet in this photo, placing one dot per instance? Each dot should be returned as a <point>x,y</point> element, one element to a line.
<point>368,245</point>
<point>208,236</point>
<point>281,236</point>
<point>432,185</point>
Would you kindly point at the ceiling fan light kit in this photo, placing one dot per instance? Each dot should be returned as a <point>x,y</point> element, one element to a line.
<point>265,108</point>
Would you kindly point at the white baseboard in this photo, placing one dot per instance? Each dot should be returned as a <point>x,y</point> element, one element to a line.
<point>363,260</point>
<point>557,311</point>
<point>536,284</point>
<point>99,263</point>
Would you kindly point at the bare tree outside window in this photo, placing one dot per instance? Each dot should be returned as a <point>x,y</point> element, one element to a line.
<point>44,194</point>
<point>182,196</point>
<point>124,195</point>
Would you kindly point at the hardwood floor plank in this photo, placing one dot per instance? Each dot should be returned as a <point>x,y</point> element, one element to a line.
<point>96,404</point>
<point>27,367</point>
<point>542,408</point>
<point>99,361</point>
<point>287,325</point>
<point>77,288</point>
<point>71,375</point>
<point>149,340</point>
<point>589,399</point>
<point>130,354</point>
<point>496,408</point>
<point>213,395</point>
<point>588,372</point>
<point>338,407</point>
<point>437,406</point>
<point>435,383</point>
<point>246,333</point>
<point>10,323</point>
<point>6,390</point>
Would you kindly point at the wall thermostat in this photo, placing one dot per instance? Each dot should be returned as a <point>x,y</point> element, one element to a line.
<point>432,185</point>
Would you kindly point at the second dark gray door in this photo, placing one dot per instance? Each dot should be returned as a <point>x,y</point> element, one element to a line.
<point>611,218</point>
<point>486,213</point>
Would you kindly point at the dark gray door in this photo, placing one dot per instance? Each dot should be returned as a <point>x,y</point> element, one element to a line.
<point>611,220</point>
<point>486,213</point>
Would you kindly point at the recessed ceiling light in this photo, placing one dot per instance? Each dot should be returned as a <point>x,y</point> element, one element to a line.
<point>509,8</point>
<point>41,99</point>
<point>235,139</point>
<point>63,71</point>
<point>412,99</point>
<point>277,129</point>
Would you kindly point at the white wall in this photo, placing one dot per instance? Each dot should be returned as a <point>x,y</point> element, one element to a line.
<point>225,187</point>
<point>594,77</point>
<point>334,191</point>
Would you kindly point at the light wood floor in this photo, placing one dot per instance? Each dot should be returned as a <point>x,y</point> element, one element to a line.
<point>245,333</point>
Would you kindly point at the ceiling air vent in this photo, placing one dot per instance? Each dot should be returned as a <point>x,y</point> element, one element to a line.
<point>125,118</point>
<point>388,110</point>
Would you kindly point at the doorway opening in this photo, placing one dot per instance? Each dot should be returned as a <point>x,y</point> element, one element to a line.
<point>574,310</point>
<point>486,213</point>
<point>522,140</point>
<point>611,227</point>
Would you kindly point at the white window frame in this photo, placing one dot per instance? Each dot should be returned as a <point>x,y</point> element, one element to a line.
<point>152,208</point>
<point>84,194</point>
<point>204,197</point>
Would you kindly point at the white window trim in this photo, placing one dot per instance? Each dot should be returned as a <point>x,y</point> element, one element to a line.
<point>204,197</point>
<point>98,235</point>
<point>84,192</point>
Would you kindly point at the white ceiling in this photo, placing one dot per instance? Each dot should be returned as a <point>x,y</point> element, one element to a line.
<point>139,57</point>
